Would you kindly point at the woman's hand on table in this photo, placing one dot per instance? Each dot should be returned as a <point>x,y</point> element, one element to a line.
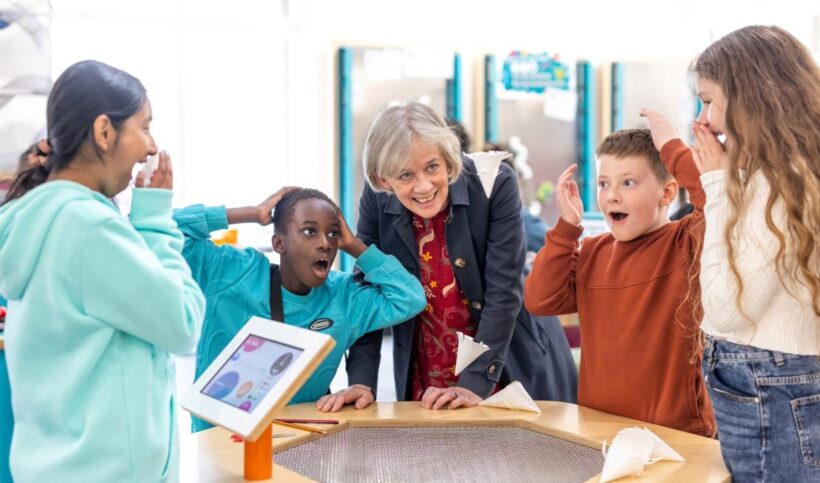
<point>359,395</point>
<point>452,397</point>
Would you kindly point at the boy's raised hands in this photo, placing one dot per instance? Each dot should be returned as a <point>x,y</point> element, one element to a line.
<point>348,242</point>
<point>660,128</point>
<point>568,197</point>
<point>261,213</point>
<point>265,208</point>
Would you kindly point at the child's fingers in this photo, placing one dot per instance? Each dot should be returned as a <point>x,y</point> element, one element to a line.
<point>282,192</point>
<point>702,137</point>
<point>696,158</point>
<point>162,175</point>
<point>169,169</point>
<point>712,144</point>
<point>139,182</point>
<point>565,178</point>
<point>649,114</point>
<point>573,189</point>
<point>567,174</point>
<point>569,195</point>
<point>709,148</point>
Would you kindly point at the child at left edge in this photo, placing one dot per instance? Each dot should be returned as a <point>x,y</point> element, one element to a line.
<point>308,232</point>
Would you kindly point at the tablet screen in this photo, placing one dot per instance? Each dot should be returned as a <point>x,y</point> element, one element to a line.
<point>251,372</point>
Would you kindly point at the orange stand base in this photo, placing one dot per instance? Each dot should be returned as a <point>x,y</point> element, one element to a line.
<point>259,457</point>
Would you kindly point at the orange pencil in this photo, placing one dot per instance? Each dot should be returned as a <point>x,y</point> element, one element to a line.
<point>299,426</point>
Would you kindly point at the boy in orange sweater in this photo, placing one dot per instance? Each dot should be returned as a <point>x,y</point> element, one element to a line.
<point>630,287</point>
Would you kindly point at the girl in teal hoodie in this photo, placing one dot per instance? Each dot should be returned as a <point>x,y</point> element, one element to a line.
<point>97,302</point>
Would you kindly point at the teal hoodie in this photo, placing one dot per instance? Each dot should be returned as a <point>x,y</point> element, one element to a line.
<point>237,286</point>
<point>96,304</point>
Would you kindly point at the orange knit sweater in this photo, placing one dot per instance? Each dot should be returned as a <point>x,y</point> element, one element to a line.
<point>636,338</point>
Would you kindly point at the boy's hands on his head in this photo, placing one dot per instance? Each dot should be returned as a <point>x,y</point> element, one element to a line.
<point>348,242</point>
<point>358,394</point>
<point>568,197</point>
<point>453,397</point>
<point>265,208</point>
<point>163,177</point>
<point>708,152</point>
<point>662,131</point>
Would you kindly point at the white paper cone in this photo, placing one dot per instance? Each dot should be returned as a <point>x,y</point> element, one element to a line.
<point>633,449</point>
<point>621,461</point>
<point>468,351</point>
<point>514,396</point>
<point>661,450</point>
<point>487,166</point>
<point>637,439</point>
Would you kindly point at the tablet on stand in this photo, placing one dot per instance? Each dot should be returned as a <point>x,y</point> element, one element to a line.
<point>256,374</point>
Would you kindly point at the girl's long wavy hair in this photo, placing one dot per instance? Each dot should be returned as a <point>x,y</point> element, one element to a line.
<point>772,88</point>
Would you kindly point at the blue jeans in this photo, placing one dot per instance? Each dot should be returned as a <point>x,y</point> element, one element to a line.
<point>767,406</point>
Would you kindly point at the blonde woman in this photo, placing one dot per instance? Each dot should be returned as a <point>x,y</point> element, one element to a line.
<point>425,205</point>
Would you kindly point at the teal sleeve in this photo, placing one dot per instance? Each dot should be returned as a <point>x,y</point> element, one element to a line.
<point>135,279</point>
<point>198,221</point>
<point>392,295</point>
<point>213,267</point>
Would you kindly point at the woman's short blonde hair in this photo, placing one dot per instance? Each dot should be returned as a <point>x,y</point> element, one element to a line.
<point>391,137</point>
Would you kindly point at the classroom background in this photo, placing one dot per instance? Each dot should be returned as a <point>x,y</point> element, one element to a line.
<point>252,95</point>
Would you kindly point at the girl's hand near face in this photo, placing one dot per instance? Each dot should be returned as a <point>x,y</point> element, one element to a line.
<point>163,177</point>
<point>568,197</point>
<point>348,242</point>
<point>708,152</point>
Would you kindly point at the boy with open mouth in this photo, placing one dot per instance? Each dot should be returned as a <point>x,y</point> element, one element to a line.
<point>308,233</point>
<point>630,287</point>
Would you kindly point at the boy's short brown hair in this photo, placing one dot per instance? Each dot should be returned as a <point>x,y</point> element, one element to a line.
<point>631,142</point>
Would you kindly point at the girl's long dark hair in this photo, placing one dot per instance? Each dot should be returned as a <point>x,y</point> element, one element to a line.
<point>85,91</point>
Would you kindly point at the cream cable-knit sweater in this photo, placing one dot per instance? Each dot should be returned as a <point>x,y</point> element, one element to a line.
<point>781,320</point>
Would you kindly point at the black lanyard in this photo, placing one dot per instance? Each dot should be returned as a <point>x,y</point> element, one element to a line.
<point>277,310</point>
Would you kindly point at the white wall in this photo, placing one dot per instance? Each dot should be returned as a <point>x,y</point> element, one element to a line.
<point>244,90</point>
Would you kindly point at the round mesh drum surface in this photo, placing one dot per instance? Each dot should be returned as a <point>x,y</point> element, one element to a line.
<point>477,453</point>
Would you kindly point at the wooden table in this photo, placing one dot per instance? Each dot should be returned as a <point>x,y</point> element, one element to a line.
<point>216,458</point>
